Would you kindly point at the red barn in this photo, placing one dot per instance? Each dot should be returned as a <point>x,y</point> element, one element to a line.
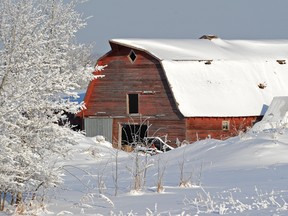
<point>184,89</point>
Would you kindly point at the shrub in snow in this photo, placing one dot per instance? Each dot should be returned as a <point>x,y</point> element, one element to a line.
<point>161,168</point>
<point>185,177</point>
<point>39,63</point>
<point>227,203</point>
<point>138,171</point>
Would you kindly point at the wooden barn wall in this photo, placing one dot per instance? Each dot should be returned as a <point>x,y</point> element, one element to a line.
<point>108,96</point>
<point>174,129</point>
<point>203,128</point>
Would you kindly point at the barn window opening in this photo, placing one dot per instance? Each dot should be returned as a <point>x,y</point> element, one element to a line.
<point>133,103</point>
<point>225,125</point>
<point>133,134</point>
<point>132,56</point>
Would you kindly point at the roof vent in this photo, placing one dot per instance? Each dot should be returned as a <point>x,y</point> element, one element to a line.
<point>208,37</point>
<point>208,62</point>
<point>281,61</point>
<point>262,85</point>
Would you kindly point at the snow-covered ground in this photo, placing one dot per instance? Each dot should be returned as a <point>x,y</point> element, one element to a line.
<point>244,175</point>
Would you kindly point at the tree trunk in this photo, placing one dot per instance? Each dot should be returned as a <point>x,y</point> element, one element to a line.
<point>0,199</point>
<point>19,198</point>
<point>3,201</point>
<point>12,199</point>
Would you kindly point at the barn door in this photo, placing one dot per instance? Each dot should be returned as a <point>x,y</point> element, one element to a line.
<point>99,126</point>
<point>133,134</point>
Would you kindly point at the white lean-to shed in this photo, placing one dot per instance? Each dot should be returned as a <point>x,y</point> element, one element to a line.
<point>276,117</point>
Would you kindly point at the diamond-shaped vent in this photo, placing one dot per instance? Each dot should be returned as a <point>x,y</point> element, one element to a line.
<point>132,56</point>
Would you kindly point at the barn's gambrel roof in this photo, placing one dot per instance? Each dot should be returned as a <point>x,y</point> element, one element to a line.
<point>217,78</point>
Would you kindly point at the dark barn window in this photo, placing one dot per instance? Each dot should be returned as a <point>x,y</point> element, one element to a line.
<point>225,125</point>
<point>132,56</point>
<point>133,104</point>
<point>133,134</point>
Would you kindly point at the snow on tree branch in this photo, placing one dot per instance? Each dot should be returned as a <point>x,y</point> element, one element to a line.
<point>39,63</point>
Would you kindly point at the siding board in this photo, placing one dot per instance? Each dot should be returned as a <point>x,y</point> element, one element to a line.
<point>99,126</point>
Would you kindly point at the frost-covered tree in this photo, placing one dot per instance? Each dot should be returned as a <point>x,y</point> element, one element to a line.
<point>41,66</point>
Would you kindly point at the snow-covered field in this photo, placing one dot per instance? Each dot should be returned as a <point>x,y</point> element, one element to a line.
<point>244,175</point>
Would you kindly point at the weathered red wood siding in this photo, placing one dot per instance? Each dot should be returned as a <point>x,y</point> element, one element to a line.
<point>107,96</point>
<point>157,127</point>
<point>201,128</point>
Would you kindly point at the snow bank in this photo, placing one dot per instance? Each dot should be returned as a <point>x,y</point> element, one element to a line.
<point>231,174</point>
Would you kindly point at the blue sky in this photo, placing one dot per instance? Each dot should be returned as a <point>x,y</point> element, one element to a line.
<point>228,19</point>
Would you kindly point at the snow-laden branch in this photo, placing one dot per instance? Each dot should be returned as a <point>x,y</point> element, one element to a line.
<point>40,62</point>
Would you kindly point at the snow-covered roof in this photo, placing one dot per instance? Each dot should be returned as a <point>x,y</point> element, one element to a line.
<point>220,77</point>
